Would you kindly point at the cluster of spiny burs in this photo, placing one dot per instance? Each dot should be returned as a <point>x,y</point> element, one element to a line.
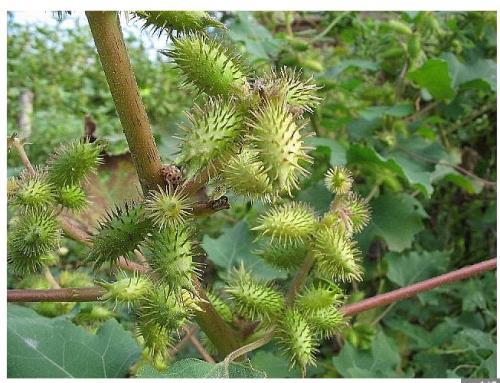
<point>39,196</point>
<point>247,135</point>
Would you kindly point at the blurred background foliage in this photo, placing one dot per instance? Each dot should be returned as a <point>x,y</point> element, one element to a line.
<point>409,106</point>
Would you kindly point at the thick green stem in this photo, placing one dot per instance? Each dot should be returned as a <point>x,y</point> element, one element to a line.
<point>218,331</point>
<point>108,37</point>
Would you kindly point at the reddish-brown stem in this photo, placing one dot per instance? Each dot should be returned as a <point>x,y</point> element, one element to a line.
<point>416,288</point>
<point>83,294</point>
<point>190,331</point>
<point>201,350</point>
<point>94,293</point>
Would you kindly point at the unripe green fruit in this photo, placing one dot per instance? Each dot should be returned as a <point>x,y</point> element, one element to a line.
<point>414,46</point>
<point>213,134</point>
<point>156,340</point>
<point>312,64</point>
<point>400,27</point>
<point>288,86</point>
<point>170,254</point>
<point>325,322</point>
<point>280,145</point>
<point>160,361</point>
<point>92,313</point>
<point>336,256</point>
<point>285,257</point>
<point>252,299</point>
<point>180,21</point>
<point>338,221</point>
<point>338,180</point>
<point>161,309</point>
<point>167,208</point>
<point>72,197</point>
<point>34,191</point>
<point>12,187</point>
<point>354,209</point>
<point>47,309</point>
<point>209,66</point>
<point>119,234</point>
<point>74,279</point>
<point>290,223</point>
<point>220,306</point>
<point>30,243</point>
<point>53,309</point>
<point>72,163</point>
<point>314,298</point>
<point>297,43</point>
<point>393,53</point>
<point>297,339</point>
<point>244,174</point>
<point>127,290</point>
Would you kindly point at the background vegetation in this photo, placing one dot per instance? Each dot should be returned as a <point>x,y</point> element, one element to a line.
<point>409,105</point>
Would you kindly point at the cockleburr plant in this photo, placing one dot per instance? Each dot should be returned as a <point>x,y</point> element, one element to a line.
<point>245,135</point>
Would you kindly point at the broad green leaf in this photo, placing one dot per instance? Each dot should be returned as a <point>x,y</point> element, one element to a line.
<point>418,161</point>
<point>394,163</point>
<point>396,219</point>
<point>448,173</point>
<point>380,361</point>
<point>491,365</point>
<point>352,63</point>
<point>38,347</point>
<point>481,74</point>
<point>404,270</point>
<point>419,338</point>
<point>432,365</point>
<point>360,129</point>
<point>337,151</point>
<point>473,296</point>
<point>234,247</point>
<point>258,41</point>
<point>275,366</point>
<point>196,369</point>
<point>318,196</point>
<point>434,76</point>
<point>414,267</point>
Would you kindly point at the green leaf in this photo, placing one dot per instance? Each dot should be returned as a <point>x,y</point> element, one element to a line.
<point>352,63</point>
<point>419,338</point>
<point>195,369</point>
<point>318,196</point>
<point>395,163</point>
<point>434,76</point>
<point>373,112</point>
<point>481,74</point>
<point>491,365</point>
<point>38,347</point>
<point>396,219</point>
<point>404,270</point>
<point>337,151</point>
<point>275,366</point>
<point>258,41</point>
<point>380,361</point>
<point>234,247</point>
